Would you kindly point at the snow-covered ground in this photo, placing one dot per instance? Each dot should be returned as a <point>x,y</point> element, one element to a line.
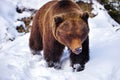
<point>17,63</point>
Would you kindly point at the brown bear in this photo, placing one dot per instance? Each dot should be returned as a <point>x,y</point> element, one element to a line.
<point>58,24</point>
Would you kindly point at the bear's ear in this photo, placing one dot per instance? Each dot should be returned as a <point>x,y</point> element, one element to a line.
<point>58,20</point>
<point>85,16</point>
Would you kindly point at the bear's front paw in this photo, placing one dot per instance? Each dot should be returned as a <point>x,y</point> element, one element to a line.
<point>50,64</point>
<point>56,65</point>
<point>78,67</point>
<point>35,52</point>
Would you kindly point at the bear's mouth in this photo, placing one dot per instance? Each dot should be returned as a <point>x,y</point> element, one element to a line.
<point>77,51</point>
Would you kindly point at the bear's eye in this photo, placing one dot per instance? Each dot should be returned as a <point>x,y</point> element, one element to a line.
<point>70,35</point>
<point>58,20</point>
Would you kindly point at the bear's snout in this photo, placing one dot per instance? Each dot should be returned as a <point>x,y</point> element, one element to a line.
<point>77,50</point>
<point>76,46</point>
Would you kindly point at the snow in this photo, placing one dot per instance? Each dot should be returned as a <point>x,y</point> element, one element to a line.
<point>17,62</point>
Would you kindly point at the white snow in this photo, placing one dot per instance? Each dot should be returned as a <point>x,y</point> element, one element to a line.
<point>17,63</point>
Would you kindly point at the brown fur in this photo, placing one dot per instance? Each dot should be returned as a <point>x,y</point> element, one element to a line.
<point>58,24</point>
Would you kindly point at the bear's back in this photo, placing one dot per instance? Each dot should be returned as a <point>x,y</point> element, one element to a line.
<point>64,6</point>
<point>57,7</point>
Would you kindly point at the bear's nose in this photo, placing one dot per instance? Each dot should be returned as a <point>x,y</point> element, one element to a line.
<point>77,51</point>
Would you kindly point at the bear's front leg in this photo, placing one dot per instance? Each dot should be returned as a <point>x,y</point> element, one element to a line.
<point>52,53</point>
<point>78,61</point>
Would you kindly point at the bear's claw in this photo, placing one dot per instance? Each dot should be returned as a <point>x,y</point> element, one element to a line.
<point>78,67</point>
<point>56,65</point>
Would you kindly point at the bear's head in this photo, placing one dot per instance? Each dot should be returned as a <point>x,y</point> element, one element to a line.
<point>71,30</point>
